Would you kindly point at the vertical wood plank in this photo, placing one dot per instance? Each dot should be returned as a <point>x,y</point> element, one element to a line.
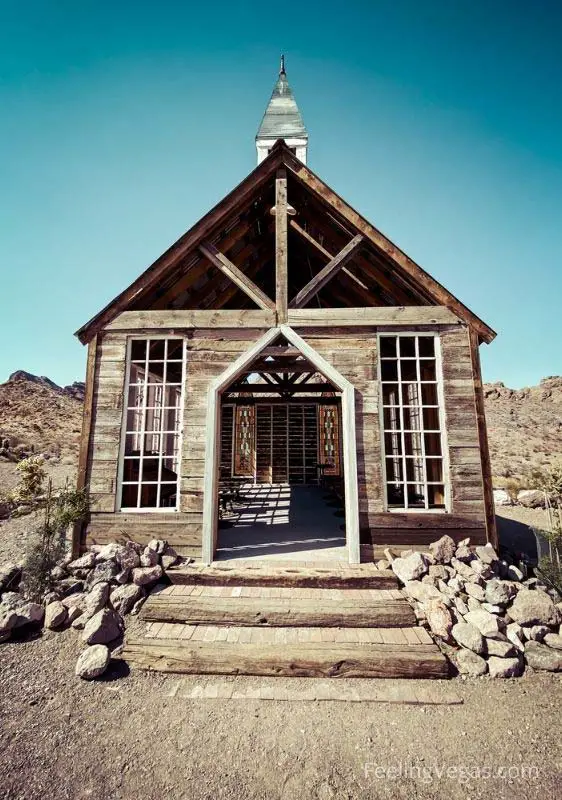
<point>483,437</point>
<point>281,300</point>
<point>85,436</point>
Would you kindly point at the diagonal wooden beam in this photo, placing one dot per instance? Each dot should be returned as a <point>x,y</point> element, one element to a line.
<point>220,261</point>
<point>281,268</point>
<point>326,273</point>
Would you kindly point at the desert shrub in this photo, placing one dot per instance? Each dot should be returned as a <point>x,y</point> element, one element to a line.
<point>31,486</point>
<point>47,545</point>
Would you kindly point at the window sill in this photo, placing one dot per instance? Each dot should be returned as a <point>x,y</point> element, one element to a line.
<point>148,511</point>
<point>416,511</point>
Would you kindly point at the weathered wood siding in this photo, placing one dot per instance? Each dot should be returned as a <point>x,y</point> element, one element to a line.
<point>209,352</point>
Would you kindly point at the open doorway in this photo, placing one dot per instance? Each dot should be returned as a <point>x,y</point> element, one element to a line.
<point>281,471</point>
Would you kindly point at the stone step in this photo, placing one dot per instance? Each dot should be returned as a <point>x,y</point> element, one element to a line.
<point>287,652</point>
<point>334,576</point>
<point>289,608</point>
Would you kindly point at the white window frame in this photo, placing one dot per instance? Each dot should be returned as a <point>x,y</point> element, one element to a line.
<point>118,495</point>
<point>442,426</point>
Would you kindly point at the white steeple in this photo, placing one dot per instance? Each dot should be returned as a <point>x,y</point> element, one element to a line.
<point>282,120</point>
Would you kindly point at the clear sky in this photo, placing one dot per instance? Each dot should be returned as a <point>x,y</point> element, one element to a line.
<point>121,123</point>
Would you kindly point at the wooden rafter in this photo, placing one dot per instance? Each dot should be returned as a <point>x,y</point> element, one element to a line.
<point>228,290</point>
<point>220,261</point>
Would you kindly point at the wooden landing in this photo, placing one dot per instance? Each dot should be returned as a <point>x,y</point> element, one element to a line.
<point>288,652</point>
<point>267,573</point>
<point>285,607</point>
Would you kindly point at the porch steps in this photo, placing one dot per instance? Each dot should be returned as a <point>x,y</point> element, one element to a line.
<point>274,628</point>
<point>287,652</point>
<point>264,573</point>
<point>285,607</point>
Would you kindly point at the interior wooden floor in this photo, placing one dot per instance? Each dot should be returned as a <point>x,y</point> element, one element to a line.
<point>283,522</point>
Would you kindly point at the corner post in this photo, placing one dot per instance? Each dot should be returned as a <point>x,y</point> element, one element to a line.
<point>81,481</point>
<point>281,270</point>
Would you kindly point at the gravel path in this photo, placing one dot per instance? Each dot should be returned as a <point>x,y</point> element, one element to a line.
<point>127,737</point>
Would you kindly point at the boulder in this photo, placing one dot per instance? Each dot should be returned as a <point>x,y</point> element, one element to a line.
<point>104,572</point>
<point>383,564</point>
<point>502,498</point>
<point>103,627</point>
<point>534,607</point>
<point>55,615</point>
<point>456,584</point>
<point>535,632</point>
<point>439,619</point>
<point>481,569</point>
<point>514,633</point>
<point>108,552</point>
<point>496,647</point>
<point>486,623</point>
<point>86,561</point>
<point>124,598</point>
<point>8,621</point>
<point>29,614</point>
<point>92,662</point>
<point>499,593</point>
<point>461,606</point>
<point>438,572</point>
<point>553,640</point>
<point>468,636</point>
<point>472,603</point>
<point>443,549</point>
<point>169,557</point>
<point>540,656</point>
<point>145,576</point>
<point>530,498</point>
<point>422,592</point>
<point>123,577</point>
<point>504,667</point>
<point>492,609</point>
<point>470,663</point>
<point>58,573</point>
<point>389,555</point>
<point>128,558</point>
<point>410,568</point>
<point>464,570</point>
<point>475,591</point>
<point>10,575</point>
<point>158,545</point>
<point>463,553</point>
<point>514,573</point>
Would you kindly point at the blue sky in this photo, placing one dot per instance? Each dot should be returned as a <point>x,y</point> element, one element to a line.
<point>122,123</point>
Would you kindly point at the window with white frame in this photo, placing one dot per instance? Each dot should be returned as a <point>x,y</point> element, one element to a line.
<point>150,463</point>
<point>412,421</point>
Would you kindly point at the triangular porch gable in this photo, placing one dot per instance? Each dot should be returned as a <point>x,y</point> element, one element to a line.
<point>336,258</point>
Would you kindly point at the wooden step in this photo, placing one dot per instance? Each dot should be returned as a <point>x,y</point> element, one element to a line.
<point>288,652</point>
<point>324,610</point>
<point>266,574</point>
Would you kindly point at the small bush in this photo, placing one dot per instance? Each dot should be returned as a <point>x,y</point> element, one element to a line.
<point>30,489</point>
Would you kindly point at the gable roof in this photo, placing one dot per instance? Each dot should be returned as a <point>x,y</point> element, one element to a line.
<point>282,118</point>
<point>241,195</point>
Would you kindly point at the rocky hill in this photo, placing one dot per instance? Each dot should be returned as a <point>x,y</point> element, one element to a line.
<point>524,425</point>
<point>37,415</point>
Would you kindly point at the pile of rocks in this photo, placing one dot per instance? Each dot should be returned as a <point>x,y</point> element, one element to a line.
<point>485,613</point>
<point>92,594</point>
<point>530,498</point>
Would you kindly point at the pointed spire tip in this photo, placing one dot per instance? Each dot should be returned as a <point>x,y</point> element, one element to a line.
<point>282,67</point>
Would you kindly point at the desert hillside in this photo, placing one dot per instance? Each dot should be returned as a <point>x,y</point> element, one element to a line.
<point>524,425</point>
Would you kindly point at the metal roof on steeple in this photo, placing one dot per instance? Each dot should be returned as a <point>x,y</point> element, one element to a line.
<point>282,118</point>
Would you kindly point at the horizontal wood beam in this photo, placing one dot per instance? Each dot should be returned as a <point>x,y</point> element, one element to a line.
<point>177,319</point>
<point>220,261</point>
<point>382,315</point>
<point>252,401</point>
<point>262,388</point>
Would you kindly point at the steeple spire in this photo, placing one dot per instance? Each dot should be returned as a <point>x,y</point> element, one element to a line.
<point>282,120</point>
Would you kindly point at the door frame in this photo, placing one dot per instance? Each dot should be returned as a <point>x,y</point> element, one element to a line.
<point>348,439</point>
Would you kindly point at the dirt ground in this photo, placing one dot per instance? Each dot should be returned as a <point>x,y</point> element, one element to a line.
<point>126,737</point>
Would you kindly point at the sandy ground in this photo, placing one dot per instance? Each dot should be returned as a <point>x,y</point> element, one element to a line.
<point>127,737</point>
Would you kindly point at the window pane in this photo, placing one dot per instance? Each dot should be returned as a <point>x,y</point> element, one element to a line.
<point>414,469</point>
<point>171,444</point>
<point>411,416</point>
<point>426,346</point>
<point>407,346</point>
<point>391,417</point>
<point>429,394</point>
<point>175,349</point>
<point>413,444</point>
<point>131,469</point>
<point>169,469</point>
<point>149,495</point>
<point>173,374</point>
<point>434,467</point>
<point>395,495</point>
<point>168,495</point>
<point>133,444</point>
<point>389,371</point>
<point>388,346</point>
<point>436,496</point>
<point>408,371</point>
<point>136,374</point>
<point>390,394</point>
<point>156,372</point>
<point>138,350</point>
<point>394,472</point>
<point>150,469</point>
<point>172,396</point>
<point>393,444</point>
<point>416,496</point>
<point>432,444</point>
<point>431,419</point>
<point>156,352</point>
<point>129,496</point>
<point>411,394</point>
<point>427,370</point>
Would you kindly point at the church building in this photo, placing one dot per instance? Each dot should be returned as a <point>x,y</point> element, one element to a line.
<point>285,383</point>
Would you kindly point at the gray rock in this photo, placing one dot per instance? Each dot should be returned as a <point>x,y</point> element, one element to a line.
<point>123,577</point>
<point>55,615</point>
<point>73,600</point>
<point>443,549</point>
<point>389,555</point>
<point>483,570</point>
<point>104,572</point>
<point>468,636</point>
<point>169,557</point>
<point>475,591</point>
<point>145,576</point>
<point>531,498</point>
<point>456,584</point>
<point>463,553</point>
<point>439,619</point>
<point>496,647</point>
<point>502,498</point>
<point>465,571</point>
<point>422,592</point>
<point>383,564</point>
<point>103,627</point>
<point>535,632</point>
<point>8,621</point>
<point>410,568</point>
<point>51,597</point>
<point>10,575</point>
<point>406,553</point>
<point>470,663</point>
<point>514,573</point>
<point>540,656</point>
<point>108,552</point>
<point>95,600</point>
<point>439,572</point>
<point>486,623</point>
<point>158,545</point>
<point>472,603</point>
<point>92,662</point>
<point>29,614</point>
<point>128,558</point>
<point>499,593</point>
<point>58,573</point>
<point>534,607</point>
<point>72,615</point>
<point>149,558</point>
<point>514,633</point>
<point>492,609</point>
<point>70,586</point>
<point>461,606</point>
<point>86,561</point>
<point>504,667</point>
<point>124,598</point>
<point>553,640</point>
